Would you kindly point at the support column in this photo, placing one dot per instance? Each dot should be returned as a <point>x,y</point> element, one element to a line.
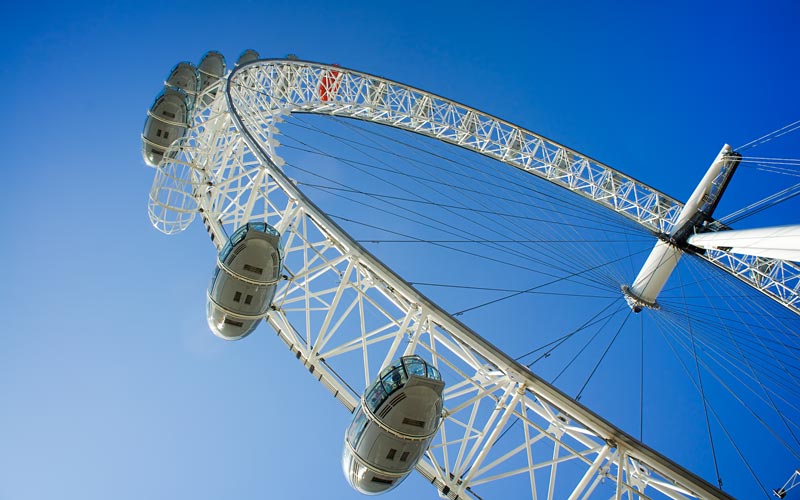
<point>668,250</point>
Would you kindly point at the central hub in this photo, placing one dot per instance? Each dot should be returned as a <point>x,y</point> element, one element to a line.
<point>636,303</point>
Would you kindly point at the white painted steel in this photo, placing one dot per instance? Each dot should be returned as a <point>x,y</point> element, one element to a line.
<point>703,190</point>
<point>779,242</point>
<point>654,275</point>
<point>366,97</point>
<point>665,255</point>
<point>343,313</point>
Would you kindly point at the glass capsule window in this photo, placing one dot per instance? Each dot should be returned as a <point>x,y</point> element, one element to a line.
<point>394,380</point>
<point>395,376</point>
<point>213,279</point>
<point>232,242</point>
<point>415,366</point>
<point>357,428</point>
<point>434,373</point>
<point>375,396</point>
<point>240,234</point>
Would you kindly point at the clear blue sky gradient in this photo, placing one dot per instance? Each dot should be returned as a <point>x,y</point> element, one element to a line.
<point>111,385</point>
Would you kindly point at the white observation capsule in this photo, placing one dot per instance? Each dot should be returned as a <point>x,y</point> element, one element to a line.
<point>166,122</point>
<point>209,71</point>
<point>184,77</point>
<point>392,427</point>
<point>244,281</point>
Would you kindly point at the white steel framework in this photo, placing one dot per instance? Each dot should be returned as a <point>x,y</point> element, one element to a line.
<point>339,307</point>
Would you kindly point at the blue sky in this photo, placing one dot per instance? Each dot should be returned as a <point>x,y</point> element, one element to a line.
<point>111,385</point>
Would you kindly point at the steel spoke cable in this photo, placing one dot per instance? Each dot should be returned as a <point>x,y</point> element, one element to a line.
<point>448,158</point>
<point>594,253</point>
<point>560,341</point>
<point>722,360</point>
<point>492,289</point>
<point>789,167</point>
<point>564,259</point>
<point>775,376</point>
<point>680,327</point>
<point>604,285</point>
<point>761,205</point>
<point>744,333</point>
<point>762,329</point>
<point>349,189</point>
<point>755,351</point>
<point>594,370</point>
<point>744,327</point>
<point>742,296</point>
<point>641,378</point>
<point>588,253</point>
<point>600,328</point>
<point>767,400</point>
<point>426,217</point>
<point>710,353</point>
<point>460,152</point>
<point>775,170</point>
<point>718,341</point>
<point>769,136</point>
<point>635,230</point>
<point>702,389</point>
<point>502,171</point>
<point>791,161</point>
<point>617,279</point>
<point>731,298</point>
<point>783,360</point>
<point>771,325</point>
<point>498,241</point>
<point>577,247</point>
<point>745,405</point>
<point>506,297</point>
<point>482,256</point>
<point>714,413</point>
<point>559,256</point>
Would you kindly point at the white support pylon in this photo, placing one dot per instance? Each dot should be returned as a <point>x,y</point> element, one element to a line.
<point>778,242</point>
<point>667,252</point>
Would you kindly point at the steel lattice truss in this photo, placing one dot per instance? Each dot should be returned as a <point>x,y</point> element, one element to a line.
<point>344,315</point>
<point>292,87</point>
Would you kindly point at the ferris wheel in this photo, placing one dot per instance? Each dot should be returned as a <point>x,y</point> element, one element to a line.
<point>346,316</point>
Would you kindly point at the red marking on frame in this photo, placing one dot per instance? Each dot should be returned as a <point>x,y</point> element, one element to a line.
<point>329,85</point>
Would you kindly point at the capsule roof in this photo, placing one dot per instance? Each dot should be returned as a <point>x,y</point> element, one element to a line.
<point>212,64</point>
<point>395,376</point>
<point>241,233</point>
<point>210,69</point>
<point>184,77</point>
<point>413,365</point>
<point>247,56</point>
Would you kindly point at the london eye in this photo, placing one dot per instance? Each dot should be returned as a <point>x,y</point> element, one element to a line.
<point>564,275</point>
